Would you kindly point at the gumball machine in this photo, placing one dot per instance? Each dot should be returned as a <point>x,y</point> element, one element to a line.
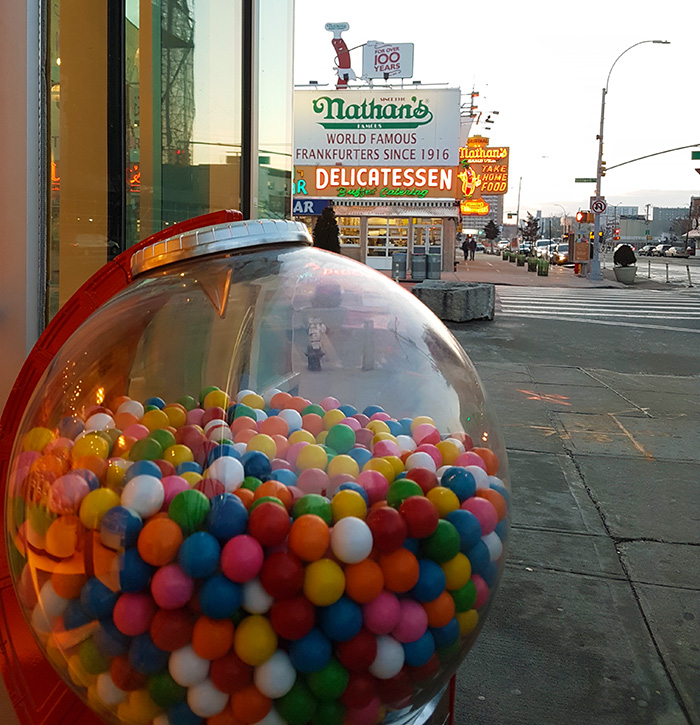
<point>248,481</point>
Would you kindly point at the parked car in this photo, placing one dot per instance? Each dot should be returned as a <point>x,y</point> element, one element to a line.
<point>543,246</point>
<point>503,244</point>
<point>560,255</point>
<point>480,247</point>
<point>677,252</point>
<point>660,250</point>
<point>646,250</point>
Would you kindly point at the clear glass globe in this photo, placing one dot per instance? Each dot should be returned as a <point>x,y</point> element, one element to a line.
<point>262,477</point>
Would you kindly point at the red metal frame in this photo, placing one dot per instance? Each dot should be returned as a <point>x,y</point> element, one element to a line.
<point>36,691</point>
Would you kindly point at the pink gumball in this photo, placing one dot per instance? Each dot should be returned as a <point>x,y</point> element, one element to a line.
<point>386,448</point>
<point>297,493</point>
<point>470,459</point>
<point>375,484</point>
<point>482,591</point>
<point>382,614</point>
<point>484,511</point>
<point>242,558</point>
<point>426,433</point>
<point>171,587</point>
<point>278,463</point>
<point>367,715</point>
<point>172,486</point>
<point>380,416</point>
<point>432,451</point>
<point>413,622</point>
<point>361,418</point>
<point>133,613</point>
<point>330,403</point>
<point>194,416</point>
<point>293,451</point>
<point>363,437</point>
<point>136,430</point>
<point>335,482</point>
<point>313,480</point>
<point>352,423</point>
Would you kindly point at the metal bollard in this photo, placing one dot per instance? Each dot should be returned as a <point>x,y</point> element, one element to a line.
<point>687,269</point>
<point>649,269</point>
<point>667,271</point>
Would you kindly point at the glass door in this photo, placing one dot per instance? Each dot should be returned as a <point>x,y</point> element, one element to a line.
<point>427,236</point>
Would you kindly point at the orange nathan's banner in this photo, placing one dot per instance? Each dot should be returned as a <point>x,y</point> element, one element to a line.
<point>483,171</point>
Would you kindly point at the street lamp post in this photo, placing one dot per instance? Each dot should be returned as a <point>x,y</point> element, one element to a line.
<point>595,262</point>
<point>566,214</point>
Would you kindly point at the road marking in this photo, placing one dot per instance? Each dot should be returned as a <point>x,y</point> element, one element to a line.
<point>647,454</point>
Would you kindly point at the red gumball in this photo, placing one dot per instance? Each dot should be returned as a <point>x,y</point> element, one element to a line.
<point>425,672</point>
<point>362,687</point>
<point>229,673</point>
<point>420,515</point>
<point>358,653</point>
<point>397,691</point>
<point>282,573</point>
<point>269,524</point>
<point>124,676</point>
<point>213,414</point>
<point>293,618</point>
<point>388,527</point>
<point>166,468</point>
<point>432,451</point>
<point>424,477</point>
<point>171,629</point>
<point>464,438</point>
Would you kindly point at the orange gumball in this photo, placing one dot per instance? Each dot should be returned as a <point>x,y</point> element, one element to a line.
<point>159,541</point>
<point>68,586</point>
<point>243,436</point>
<point>225,717</point>
<point>274,425</point>
<point>280,400</point>
<point>312,422</point>
<point>497,500</point>
<point>364,581</point>
<point>440,611</point>
<point>212,638</point>
<point>489,458</point>
<point>282,444</point>
<point>243,423</point>
<point>93,463</point>
<point>277,489</point>
<point>309,537</point>
<point>401,570</point>
<point>246,495</point>
<point>249,705</point>
<point>298,403</point>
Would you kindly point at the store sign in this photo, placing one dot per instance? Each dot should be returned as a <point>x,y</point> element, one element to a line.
<point>483,170</point>
<point>387,126</point>
<point>379,181</point>
<point>387,60</point>
<point>309,207</point>
<point>480,208</point>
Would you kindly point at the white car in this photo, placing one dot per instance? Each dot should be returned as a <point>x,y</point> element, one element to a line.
<point>677,252</point>
<point>660,250</point>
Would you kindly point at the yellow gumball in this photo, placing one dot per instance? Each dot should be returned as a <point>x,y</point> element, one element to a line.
<point>264,444</point>
<point>154,419</point>
<point>301,436</point>
<point>395,462</point>
<point>62,536</point>
<point>77,672</point>
<point>192,477</point>
<point>312,456</point>
<point>457,570</point>
<point>382,466</point>
<point>177,454</point>
<point>92,444</point>
<point>253,400</point>
<point>467,621</point>
<point>216,399</point>
<point>255,641</point>
<point>37,439</point>
<point>116,470</point>
<point>343,464</point>
<point>333,417</point>
<point>443,499</point>
<point>449,451</point>
<point>348,503</point>
<point>378,426</point>
<point>419,420</point>
<point>177,414</point>
<point>321,437</point>
<point>95,505</point>
<point>324,582</point>
<point>142,709</point>
<point>384,437</point>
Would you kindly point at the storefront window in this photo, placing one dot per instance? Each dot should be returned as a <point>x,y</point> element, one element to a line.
<point>427,236</point>
<point>349,231</point>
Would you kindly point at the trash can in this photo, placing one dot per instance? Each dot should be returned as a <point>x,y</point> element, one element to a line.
<point>398,265</point>
<point>434,266</point>
<point>418,267</point>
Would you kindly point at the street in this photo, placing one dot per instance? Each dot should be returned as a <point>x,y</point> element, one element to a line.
<point>671,270</point>
<point>598,617</point>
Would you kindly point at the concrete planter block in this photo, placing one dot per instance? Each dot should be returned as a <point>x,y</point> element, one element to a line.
<point>457,301</point>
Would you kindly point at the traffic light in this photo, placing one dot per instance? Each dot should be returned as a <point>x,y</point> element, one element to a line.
<point>616,235</point>
<point>591,236</point>
<point>584,217</point>
<point>602,168</point>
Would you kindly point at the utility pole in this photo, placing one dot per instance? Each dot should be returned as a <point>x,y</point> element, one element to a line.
<point>517,213</point>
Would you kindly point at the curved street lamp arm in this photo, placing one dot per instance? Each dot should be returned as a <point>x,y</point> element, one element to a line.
<point>641,42</point>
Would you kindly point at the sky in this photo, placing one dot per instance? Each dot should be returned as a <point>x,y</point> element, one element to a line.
<point>542,65</point>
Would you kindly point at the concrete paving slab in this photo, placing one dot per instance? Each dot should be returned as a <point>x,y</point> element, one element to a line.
<point>654,562</point>
<point>595,434</point>
<point>579,399</point>
<point>666,405</point>
<point>642,499</point>
<point>531,437</point>
<point>674,439</point>
<point>555,630</point>
<point>661,383</point>
<point>562,374</point>
<point>564,552</point>
<point>547,495</point>
<point>673,616</point>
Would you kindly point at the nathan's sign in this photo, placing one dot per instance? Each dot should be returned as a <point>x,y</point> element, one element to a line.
<point>483,170</point>
<point>406,128</point>
<point>379,181</point>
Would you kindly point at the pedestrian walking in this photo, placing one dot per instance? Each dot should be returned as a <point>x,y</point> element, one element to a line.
<point>465,248</point>
<point>472,248</point>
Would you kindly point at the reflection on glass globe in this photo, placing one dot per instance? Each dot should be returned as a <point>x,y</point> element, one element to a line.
<point>263,480</point>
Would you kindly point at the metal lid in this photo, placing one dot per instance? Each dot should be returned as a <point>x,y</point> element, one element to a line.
<point>219,238</point>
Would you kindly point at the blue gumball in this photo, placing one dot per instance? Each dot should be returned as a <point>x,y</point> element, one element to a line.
<point>75,615</point>
<point>341,621</point>
<point>256,464</point>
<point>109,640</point>
<point>223,450</point>
<point>310,653</point>
<point>120,528</point>
<point>479,557</point>
<point>460,481</point>
<point>285,476</point>
<point>91,478</point>
<point>134,573</point>
<point>181,714</point>
<point>199,554</point>
<point>412,544</point>
<point>145,657</point>
<point>352,486</point>
<point>138,468</point>
<point>187,466</point>
<point>155,401</point>
<point>349,410</point>
<point>360,456</point>
<point>447,635</point>
<point>502,530</point>
<point>431,581</point>
<point>219,597</point>
<point>228,517</point>
<point>97,599</point>
<point>468,528</point>
<point>406,425</point>
<point>395,428</point>
<point>490,575</point>
<point>370,410</point>
<point>417,653</point>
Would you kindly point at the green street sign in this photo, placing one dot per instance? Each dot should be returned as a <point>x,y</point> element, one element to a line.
<point>695,155</point>
<point>646,231</point>
<point>585,181</point>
